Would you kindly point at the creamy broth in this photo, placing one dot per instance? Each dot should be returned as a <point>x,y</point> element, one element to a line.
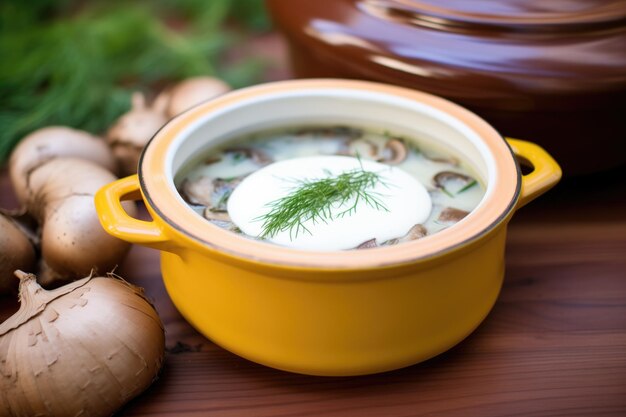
<point>449,184</point>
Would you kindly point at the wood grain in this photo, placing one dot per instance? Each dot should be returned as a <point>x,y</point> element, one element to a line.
<point>554,345</point>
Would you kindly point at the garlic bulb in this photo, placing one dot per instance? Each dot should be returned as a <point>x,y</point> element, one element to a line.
<point>84,349</point>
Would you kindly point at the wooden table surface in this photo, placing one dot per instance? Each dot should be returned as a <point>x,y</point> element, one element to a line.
<point>554,344</point>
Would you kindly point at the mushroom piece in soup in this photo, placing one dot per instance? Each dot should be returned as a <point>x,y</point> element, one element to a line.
<point>331,187</point>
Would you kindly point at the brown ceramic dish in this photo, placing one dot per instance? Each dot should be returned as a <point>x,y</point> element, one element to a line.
<point>551,71</point>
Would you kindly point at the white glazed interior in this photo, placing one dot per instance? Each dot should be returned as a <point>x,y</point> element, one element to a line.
<point>367,109</point>
<point>381,107</point>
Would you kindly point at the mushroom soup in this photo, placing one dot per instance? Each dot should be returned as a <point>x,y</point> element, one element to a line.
<point>330,187</point>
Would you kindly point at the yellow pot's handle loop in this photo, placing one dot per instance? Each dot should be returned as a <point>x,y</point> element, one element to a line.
<point>546,172</point>
<point>118,223</point>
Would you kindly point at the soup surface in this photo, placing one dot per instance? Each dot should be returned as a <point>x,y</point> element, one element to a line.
<point>330,187</point>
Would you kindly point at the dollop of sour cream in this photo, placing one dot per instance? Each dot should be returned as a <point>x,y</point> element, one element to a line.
<point>407,201</point>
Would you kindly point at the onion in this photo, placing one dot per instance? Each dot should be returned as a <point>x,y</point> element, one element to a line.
<point>84,349</point>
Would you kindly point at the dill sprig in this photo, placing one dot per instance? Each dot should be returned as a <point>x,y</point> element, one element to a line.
<point>462,190</point>
<point>467,187</point>
<point>314,200</point>
<point>76,62</point>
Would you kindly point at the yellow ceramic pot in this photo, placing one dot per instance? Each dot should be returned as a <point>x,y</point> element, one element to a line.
<point>329,313</point>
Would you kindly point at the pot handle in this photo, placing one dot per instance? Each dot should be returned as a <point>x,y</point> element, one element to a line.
<point>118,223</point>
<point>546,172</point>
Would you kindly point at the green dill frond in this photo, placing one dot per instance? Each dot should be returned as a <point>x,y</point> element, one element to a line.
<point>467,187</point>
<point>314,200</point>
<point>76,63</point>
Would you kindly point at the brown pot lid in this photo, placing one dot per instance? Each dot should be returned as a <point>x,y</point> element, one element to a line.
<point>509,55</point>
<point>512,13</point>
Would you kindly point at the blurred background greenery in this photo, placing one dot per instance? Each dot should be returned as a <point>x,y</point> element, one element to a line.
<point>76,62</point>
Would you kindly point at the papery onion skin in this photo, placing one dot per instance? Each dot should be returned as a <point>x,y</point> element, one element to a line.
<point>84,349</point>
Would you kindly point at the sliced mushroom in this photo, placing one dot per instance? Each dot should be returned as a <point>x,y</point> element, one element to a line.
<point>359,147</point>
<point>222,189</point>
<point>224,224</point>
<point>452,183</point>
<point>212,159</point>
<point>339,132</point>
<point>347,132</point>
<point>213,193</point>
<point>450,160</point>
<point>368,244</point>
<point>394,152</point>
<point>416,232</point>
<point>216,216</point>
<point>197,192</point>
<point>443,177</point>
<point>256,155</point>
<point>451,215</point>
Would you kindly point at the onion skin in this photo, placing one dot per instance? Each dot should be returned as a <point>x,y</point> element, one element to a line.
<point>54,142</point>
<point>61,198</point>
<point>16,252</point>
<point>84,349</point>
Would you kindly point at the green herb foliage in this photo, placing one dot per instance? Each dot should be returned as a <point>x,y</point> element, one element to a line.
<point>446,192</point>
<point>462,190</point>
<point>314,200</point>
<point>467,187</point>
<point>75,63</point>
